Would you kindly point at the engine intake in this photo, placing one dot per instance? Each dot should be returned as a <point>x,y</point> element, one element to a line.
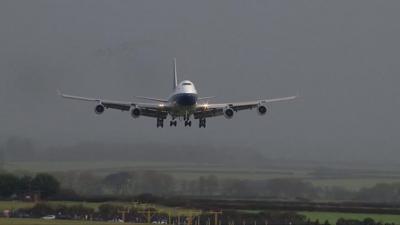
<point>228,113</point>
<point>135,112</point>
<point>262,110</point>
<point>99,109</point>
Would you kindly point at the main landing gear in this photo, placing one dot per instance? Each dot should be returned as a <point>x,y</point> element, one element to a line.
<point>173,123</point>
<point>188,123</point>
<point>202,123</point>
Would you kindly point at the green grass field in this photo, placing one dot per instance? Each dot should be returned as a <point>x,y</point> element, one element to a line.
<point>4,221</point>
<point>94,205</point>
<point>332,217</point>
<point>19,204</point>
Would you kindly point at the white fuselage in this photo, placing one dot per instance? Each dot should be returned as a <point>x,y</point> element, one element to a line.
<point>183,100</point>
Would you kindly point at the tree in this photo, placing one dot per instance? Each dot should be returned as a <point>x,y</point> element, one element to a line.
<point>368,221</point>
<point>291,188</point>
<point>8,185</point>
<point>46,184</point>
<point>156,183</point>
<point>109,211</point>
<point>42,209</point>
<point>24,185</point>
<point>211,184</point>
<point>118,183</point>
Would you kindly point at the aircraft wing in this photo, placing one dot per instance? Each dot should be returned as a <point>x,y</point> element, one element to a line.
<point>212,110</point>
<point>147,109</point>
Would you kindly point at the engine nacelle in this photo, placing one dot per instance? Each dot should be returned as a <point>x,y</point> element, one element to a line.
<point>228,113</point>
<point>99,109</point>
<point>135,112</point>
<point>262,110</point>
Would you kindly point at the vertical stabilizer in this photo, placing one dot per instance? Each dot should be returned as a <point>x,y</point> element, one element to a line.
<point>175,75</point>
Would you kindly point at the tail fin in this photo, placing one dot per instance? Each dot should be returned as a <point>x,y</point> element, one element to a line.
<point>175,75</point>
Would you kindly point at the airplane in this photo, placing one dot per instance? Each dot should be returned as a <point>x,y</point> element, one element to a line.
<point>183,103</point>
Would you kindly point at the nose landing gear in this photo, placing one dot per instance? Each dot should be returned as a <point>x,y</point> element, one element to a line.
<point>160,122</point>
<point>202,123</point>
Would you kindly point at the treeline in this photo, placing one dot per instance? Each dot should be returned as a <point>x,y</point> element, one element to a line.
<point>43,185</point>
<point>72,185</point>
<point>111,211</point>
<point>162,184</point>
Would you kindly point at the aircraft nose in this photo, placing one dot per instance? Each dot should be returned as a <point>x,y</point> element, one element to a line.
<point>186,100</point>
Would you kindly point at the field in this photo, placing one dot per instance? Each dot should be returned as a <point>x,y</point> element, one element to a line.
<point>353,179</point>
<point>332,217</point>
<point>19,204</point>
<point>9,205</point>
<point>321,216</point>
<point>4,221</point>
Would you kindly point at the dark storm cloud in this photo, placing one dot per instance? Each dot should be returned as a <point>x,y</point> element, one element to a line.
<point>341,56</point>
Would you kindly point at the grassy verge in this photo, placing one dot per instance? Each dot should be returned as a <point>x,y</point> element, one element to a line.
<point>11,205</point>
<point>332,217</point>
<point>5,221</point>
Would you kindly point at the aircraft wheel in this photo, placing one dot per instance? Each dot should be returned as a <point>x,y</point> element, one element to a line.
<point>160,123</point>
<point>202,123</point>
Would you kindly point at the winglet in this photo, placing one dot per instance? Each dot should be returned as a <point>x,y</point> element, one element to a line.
<point>59,92</point>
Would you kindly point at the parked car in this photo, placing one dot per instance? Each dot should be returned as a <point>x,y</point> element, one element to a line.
<point>49,217</point>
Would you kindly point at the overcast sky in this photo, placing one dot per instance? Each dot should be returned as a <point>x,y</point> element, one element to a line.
<point>341,57</point>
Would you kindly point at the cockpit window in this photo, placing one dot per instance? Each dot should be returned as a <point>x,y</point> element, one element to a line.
<point>187,84</point>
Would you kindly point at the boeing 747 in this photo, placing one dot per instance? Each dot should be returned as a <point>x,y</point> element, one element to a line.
<point>184,103</point>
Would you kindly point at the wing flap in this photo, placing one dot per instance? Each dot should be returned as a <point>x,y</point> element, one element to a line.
<point>114,105</point>
<point>209,112</point>
<point>156,113</point>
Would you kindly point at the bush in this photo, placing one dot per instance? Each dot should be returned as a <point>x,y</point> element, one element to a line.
<point>42,209</point>
<point>109,211</point>
<point>8,185</point>
<point>46,184</point>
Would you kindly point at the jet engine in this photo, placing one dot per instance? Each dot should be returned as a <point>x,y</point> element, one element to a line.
<point>135,112</point>
<point>262,110</point>
<point>99,109</point>
<point>228,113</point>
